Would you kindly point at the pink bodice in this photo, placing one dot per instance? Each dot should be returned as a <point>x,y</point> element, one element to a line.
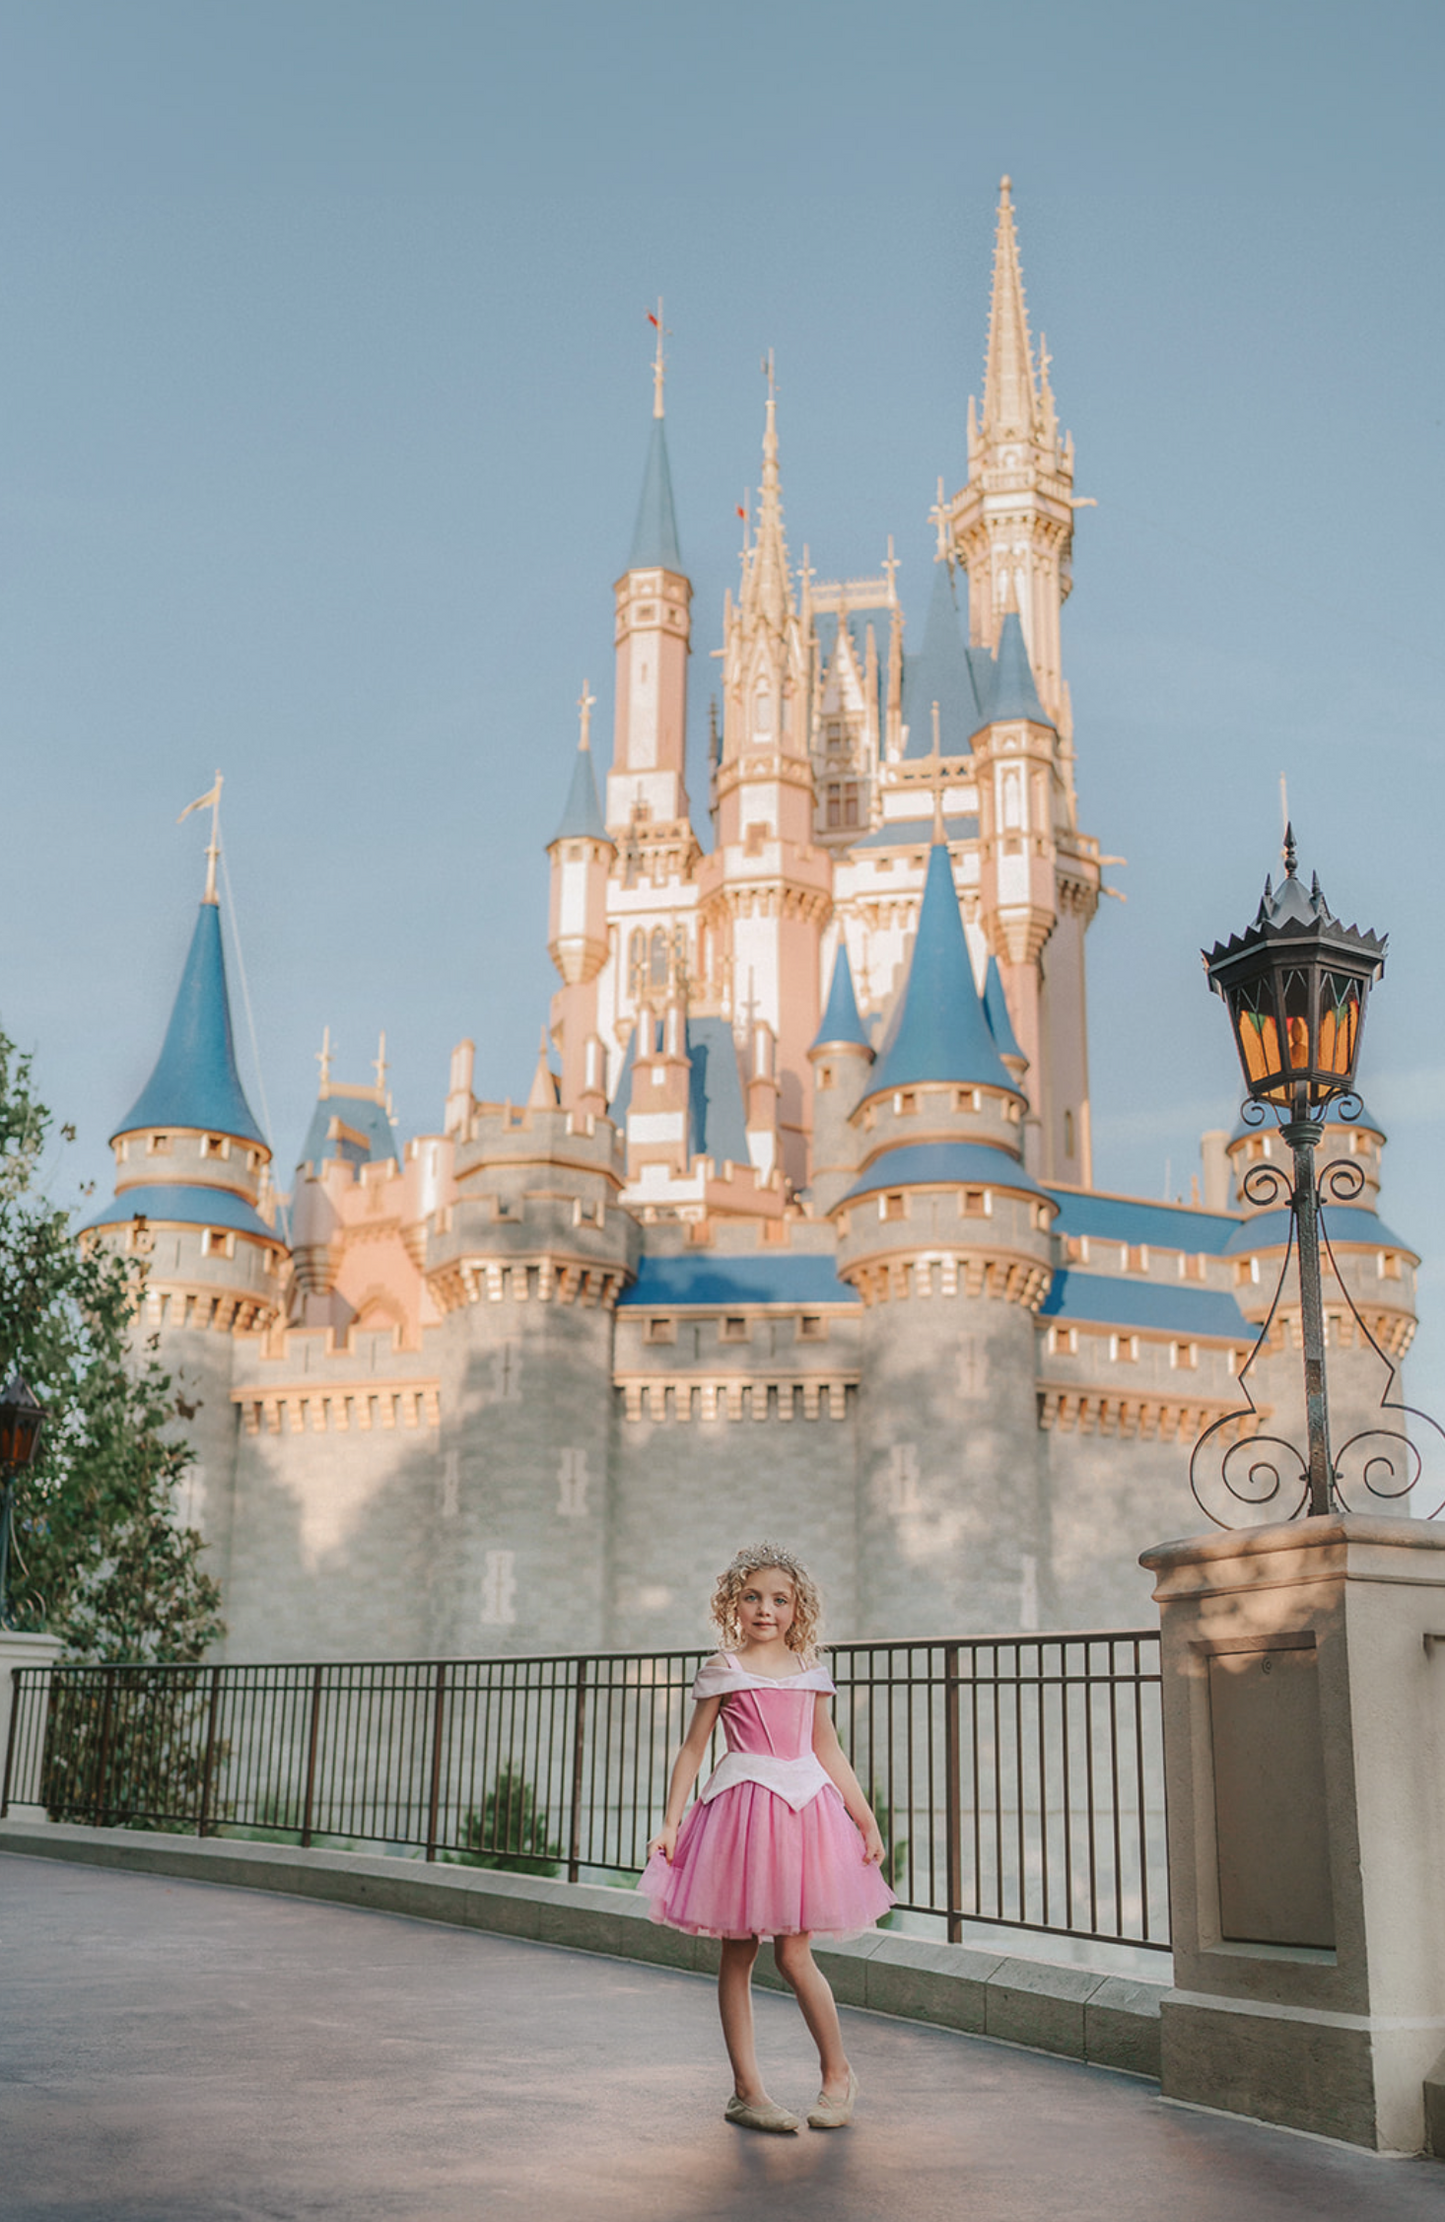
<point>768,1725</point>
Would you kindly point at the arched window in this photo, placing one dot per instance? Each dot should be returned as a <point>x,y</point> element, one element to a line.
<point>762,708</point>
<point>1068,1134</point>
<point>657,963</point>
<point>637,964</point>
<point>1012,803</point>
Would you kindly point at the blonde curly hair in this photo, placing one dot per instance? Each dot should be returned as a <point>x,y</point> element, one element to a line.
<point>805,1630</point>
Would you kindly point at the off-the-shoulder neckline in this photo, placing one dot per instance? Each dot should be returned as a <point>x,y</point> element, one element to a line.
<point>782,1680</point>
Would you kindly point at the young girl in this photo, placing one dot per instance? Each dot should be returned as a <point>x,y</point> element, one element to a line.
<point>769,1849</point>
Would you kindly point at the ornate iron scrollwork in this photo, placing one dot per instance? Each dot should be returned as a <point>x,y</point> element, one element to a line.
<point>1267,1473</point>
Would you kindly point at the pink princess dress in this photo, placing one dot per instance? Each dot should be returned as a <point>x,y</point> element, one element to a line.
<point>768,1849</point>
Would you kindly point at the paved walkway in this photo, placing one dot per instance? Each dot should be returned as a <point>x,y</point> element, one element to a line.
<point>178,2052</point>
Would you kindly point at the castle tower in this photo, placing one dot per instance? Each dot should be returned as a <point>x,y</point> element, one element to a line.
<point>192,1202</point>
<point>582,853</point>
<point>766,891</point>
<point>1012,528</point>
<point>647,786</point>
<point>841,1055</point>
<point>525,1264</point>
<point>944,1234</point>
<point>1012,525</point>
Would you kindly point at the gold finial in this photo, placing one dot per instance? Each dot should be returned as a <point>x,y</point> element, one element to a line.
<point>1005,186</point>
<point>936,749</point>
<point>586,703</point>
<point>659,360</point>
<point>940,835</point>
<point>380,1065</point>
<point>323,1059</point>
<point>890,565</point>
<point>210,800</point>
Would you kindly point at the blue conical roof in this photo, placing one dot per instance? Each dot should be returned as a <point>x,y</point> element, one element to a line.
<point>582,818</point>
<point>195,1082</point>
<point>654,537</point>
<point>840,1021</point>
<point>940,673</point>
<point>995,1010</point>
<point>939,1031</point>
<point>1014,693</point>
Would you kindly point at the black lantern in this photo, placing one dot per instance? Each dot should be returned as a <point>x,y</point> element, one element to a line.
<point>21,1419</point>
<point>1295,985</point>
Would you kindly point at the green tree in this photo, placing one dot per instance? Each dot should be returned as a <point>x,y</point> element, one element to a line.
<point>99,1555</point>
<point>510,1831</point>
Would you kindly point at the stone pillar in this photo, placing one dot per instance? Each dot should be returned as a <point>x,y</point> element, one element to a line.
<point>1304,1751</point>
<point>16,1651</point>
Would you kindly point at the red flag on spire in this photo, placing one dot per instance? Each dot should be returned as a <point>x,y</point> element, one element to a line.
<point>652,320</point>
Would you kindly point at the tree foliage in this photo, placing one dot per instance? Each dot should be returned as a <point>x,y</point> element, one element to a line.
<point>99,1555</point>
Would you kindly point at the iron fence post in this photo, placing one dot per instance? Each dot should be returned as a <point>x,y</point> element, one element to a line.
<point>204,1813</point>
<point>434,1801</point>
<point>579,1725</point>
<point>102,1761</point>
<point>310,1800</point>
<point>16,1693</point>
<point>952,1795</point>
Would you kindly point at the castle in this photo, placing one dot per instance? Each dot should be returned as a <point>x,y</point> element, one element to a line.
<point>799,1236</point>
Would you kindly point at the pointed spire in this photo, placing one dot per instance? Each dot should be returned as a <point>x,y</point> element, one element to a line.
<point>582,818</point>
<point>840,1022</point>
<point>195,1082</point>
<point>940,673</point>
<point>544,1094</point>
<point>1014,693</point>
<point>659,360</point>
<point>765,581</point>
<point>1010,398</point>
<point>654,536</point>
<point>939,1031</point>
<point>995,1010</point>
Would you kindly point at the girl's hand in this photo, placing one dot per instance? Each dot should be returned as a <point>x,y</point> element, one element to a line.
<point>872,1843</point>
<point>665,1841</point>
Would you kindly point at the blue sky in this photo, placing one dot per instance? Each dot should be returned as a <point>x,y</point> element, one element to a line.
<point>326,390</point>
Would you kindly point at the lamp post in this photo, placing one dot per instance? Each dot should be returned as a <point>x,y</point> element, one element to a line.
<point>1295,986</point>
<point>21,1419</point>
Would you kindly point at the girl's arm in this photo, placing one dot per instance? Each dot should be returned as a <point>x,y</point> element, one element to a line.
<point>830,1753</point>
<point>684,1775</point>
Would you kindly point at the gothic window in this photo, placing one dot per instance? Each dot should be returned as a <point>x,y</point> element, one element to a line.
<point>636,964</point>
<point>850,805</point>
<point>835,808</point>
<point>657,960</point>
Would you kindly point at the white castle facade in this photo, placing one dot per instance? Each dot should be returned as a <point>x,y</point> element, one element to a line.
<point>798,1235</point>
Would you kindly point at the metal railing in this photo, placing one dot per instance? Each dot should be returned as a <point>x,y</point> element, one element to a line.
<point>1017,1780</point>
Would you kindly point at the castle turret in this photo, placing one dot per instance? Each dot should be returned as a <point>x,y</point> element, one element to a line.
<point>647,787</point>
<point>944,1234</point>
<point>582,853</point>
<point>840,1057</point>
<point>192,1203</point>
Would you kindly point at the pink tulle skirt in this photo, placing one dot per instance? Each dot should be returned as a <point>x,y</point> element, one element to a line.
<point>747,1865</point>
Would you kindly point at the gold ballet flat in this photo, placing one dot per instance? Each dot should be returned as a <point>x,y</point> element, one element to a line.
<point>835,2113</point>
<point>761,2114</point>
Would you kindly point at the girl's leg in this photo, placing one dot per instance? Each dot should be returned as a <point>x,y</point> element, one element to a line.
<point>801,1972</point>
<point>735,2004</point>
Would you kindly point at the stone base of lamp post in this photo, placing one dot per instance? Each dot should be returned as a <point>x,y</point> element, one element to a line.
<point>1304,1751</point>
<point>17,1650</point>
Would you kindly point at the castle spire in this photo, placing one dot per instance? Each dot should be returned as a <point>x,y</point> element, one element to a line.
<point>939,1031</point>
<point>195,1083</point>
<point>766,592</point>
<point>1010,395</point>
